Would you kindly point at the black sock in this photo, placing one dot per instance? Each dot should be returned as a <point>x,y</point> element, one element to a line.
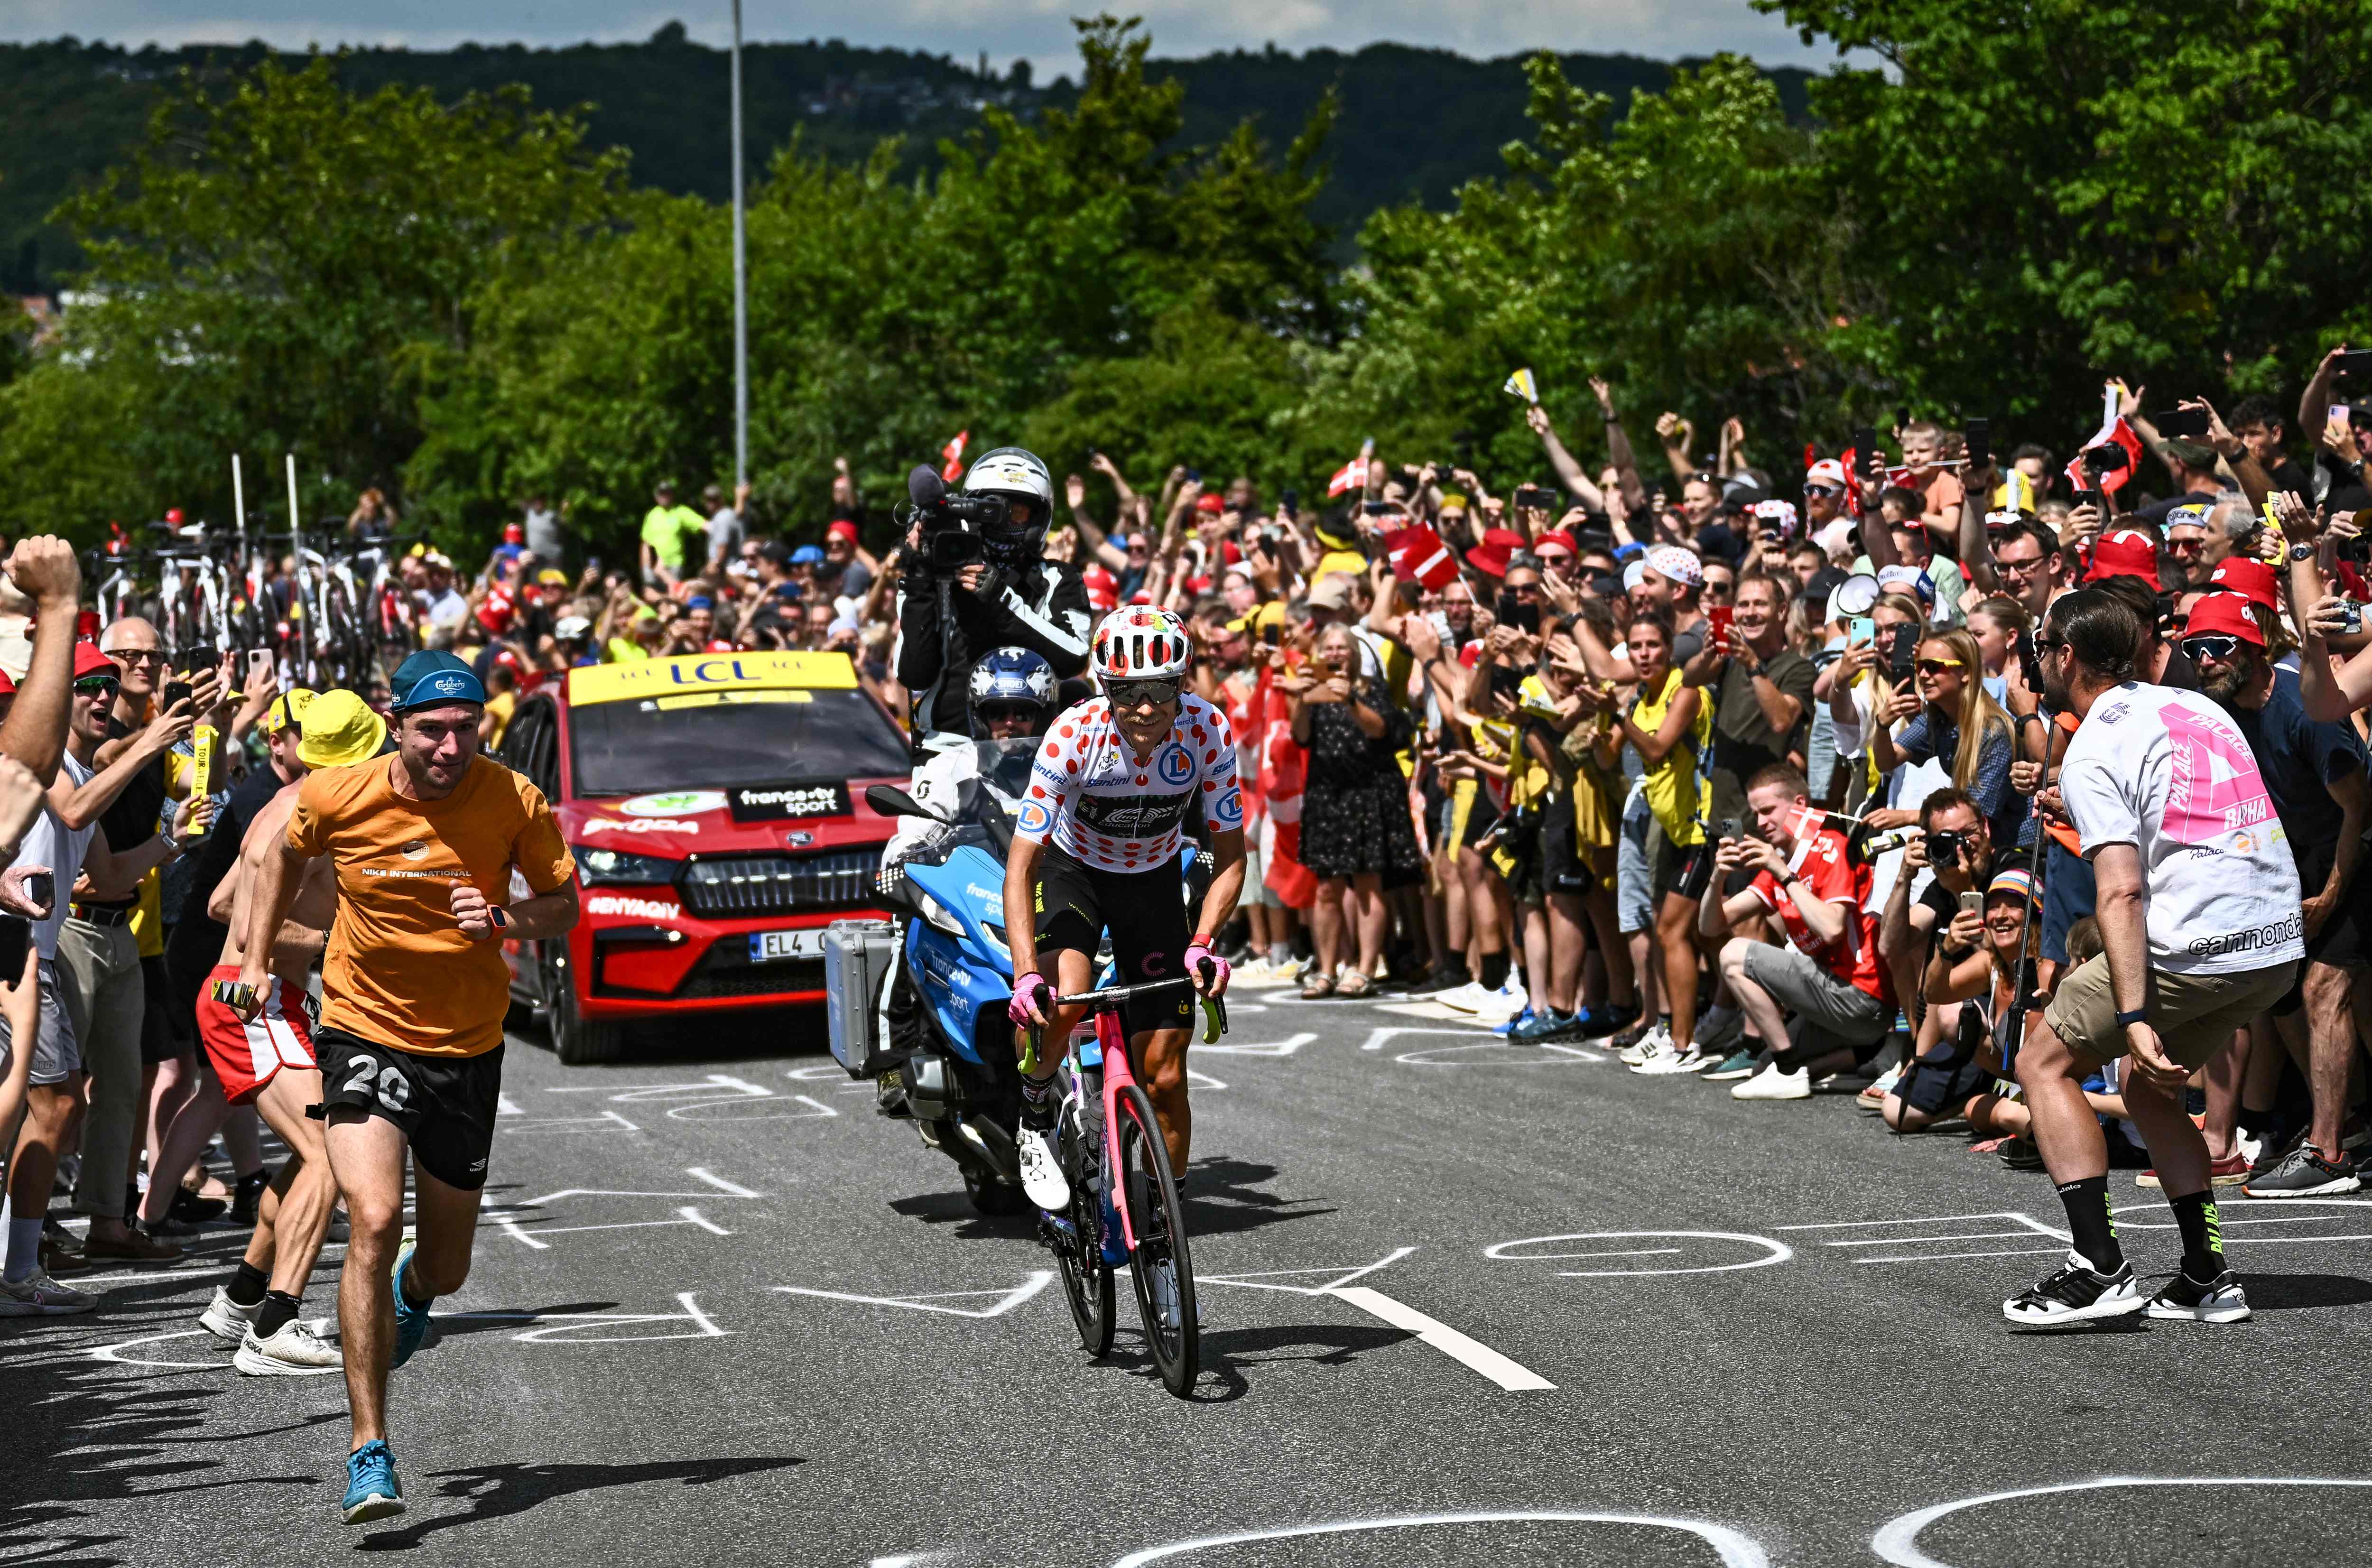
<point>2088,1223</point>
<point>1495,970</point>
<point>1037,1102</point>
<point>403,1285</point>
<point>2203,1235</point>
<point>247,1286</point>
<point>274,1315</point>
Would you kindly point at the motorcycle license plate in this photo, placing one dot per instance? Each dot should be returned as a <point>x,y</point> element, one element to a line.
<point>772,946</point>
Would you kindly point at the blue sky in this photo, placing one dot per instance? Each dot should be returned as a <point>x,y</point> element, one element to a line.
<point>1039,30</point>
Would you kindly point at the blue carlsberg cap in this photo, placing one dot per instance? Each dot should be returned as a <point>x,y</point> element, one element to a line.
<point>427,680</point>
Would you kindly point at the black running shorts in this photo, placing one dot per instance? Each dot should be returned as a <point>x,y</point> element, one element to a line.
<point>445,1105</point>
<point>1144,911</point>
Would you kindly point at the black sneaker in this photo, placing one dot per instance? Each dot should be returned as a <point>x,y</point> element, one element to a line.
<point>2076,1293</point>
<point>2217,1301</point>
<point>191,1209</point>
<point>2019,1153</point>
<point>247,1195</point>
<point>1443,977</point>
<point>2304,1173</point>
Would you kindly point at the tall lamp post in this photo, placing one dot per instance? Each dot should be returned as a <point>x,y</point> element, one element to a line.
<point>740,282</point>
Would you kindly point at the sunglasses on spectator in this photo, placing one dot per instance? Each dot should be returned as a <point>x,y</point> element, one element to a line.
<point>2211,644</point>
<point>136,655</point>
<point>2187,546</point>
<point>2049,645</point>
<point>1829,490</point>
<point>1938,665</point>
<point>1141,693</point>
<point>96,686</point>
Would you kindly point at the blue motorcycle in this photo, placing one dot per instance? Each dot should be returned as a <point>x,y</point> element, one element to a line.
<point>953,1042</point>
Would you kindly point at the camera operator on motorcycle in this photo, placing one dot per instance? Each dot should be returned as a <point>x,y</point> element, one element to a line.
<point>973,580</point>
<point>1097,848</point>
<point>1013,696</point>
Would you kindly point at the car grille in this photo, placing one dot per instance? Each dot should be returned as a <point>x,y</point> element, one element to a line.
<point>779,884</point>
<point>714,979</point>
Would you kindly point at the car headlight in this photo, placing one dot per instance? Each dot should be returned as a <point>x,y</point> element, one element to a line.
<point>617,868</point>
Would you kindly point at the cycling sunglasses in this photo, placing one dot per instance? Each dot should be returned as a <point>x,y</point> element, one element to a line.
<point>1141,693</point>
<point>96,686</point>
<point>2211,644</point>
<point>1938,665</point>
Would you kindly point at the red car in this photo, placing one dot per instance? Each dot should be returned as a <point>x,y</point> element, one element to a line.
<point>716,807</point>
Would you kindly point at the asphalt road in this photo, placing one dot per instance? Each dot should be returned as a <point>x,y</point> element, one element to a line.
<point>724,1313</point>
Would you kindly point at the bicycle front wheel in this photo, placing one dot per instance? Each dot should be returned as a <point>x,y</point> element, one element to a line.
<point>1161,1268</point>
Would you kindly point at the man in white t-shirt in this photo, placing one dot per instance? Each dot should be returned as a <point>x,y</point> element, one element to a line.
<point>2199,910</point>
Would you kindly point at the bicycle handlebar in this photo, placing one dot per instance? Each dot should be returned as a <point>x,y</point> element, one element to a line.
<point>1108,999</point>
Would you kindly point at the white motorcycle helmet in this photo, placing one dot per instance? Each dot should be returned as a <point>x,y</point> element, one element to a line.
<point>1018,475</point>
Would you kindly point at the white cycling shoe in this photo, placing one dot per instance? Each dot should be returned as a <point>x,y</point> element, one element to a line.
<point>1041,1175</point>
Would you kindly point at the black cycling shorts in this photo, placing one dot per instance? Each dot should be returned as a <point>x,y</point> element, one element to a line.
<point>1144,911</point>
<point>445,1105</point>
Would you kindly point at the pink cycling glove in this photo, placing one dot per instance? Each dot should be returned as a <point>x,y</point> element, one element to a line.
<point>1023,990</point>
<point>1198,953</point>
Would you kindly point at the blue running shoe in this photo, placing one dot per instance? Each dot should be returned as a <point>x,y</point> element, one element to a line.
<point>411,1323</point>
<point>371,1489</point>
<point>1115,1252</point>
<point>1550,1024</point>
<point>1512,1025</point>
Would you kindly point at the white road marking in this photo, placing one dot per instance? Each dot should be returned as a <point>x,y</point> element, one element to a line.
<point>1897,1540</point>
<point>2028,1228</point>
<point>1775,1253</point>
<point>1736,1550</point>
<point>1285,1047</point>
<point>685,1216</point>
<point>551,1326</point>
<point>118,1352</point>
<point>1006,1300</point>
<point>731,1190</point>
<point>1377,1038</point>
<point>1257,1280</point>
<point>608,1121</point>
<point>768,1109</point>
<point>506,1106</point>
<point>1470,1353</point>
<point>1194,1077</point>
<point>706,1088</point>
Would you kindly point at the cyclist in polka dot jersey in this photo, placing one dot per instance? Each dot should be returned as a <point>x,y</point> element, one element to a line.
<point>1097,848</point>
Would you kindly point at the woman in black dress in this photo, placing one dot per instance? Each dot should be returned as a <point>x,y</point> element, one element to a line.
<point>1355,828</point>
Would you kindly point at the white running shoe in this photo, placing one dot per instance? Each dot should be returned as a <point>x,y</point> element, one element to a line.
<point>294,1351</point>
<point>226,1319</point>
<point>1773,1084</point>
<point>1639,1050</point>
<point>38,1295</point>
<point>1465,998</point>
<point>1042,1175</point>
<point>1666,1058</point>
<point>1508,1002</point>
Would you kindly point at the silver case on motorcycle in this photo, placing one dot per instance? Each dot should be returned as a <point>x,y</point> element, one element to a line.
<point>856,954</point>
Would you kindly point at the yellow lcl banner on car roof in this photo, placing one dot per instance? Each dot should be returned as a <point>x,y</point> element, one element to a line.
<point>711,672</point>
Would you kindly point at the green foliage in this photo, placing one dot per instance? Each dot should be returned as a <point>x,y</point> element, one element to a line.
<point>2047,193</point>
<point>1685,258</point>
<point>287,267</point>
<point>1030,287</point>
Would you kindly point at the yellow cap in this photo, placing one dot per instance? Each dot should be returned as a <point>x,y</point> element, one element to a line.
<point>2014,493</point>
<point>340,728</point>
<point>286,709</point>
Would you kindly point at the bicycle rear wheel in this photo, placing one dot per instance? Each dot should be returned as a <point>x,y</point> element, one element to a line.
<point>1161,1268</point>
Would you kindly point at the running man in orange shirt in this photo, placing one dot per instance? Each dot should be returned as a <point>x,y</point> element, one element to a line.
<point>413,990</point>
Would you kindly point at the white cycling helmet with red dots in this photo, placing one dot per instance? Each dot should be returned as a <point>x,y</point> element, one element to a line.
<point>1138,642</point>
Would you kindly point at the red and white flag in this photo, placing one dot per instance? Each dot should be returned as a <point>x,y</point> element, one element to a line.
<point>1352,475</point>
<point>2113,431</point>
<point>1419,556</point>
<point>953,453</point>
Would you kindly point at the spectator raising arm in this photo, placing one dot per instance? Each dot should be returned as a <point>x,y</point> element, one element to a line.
<point>1568,471</point>
<point>44,570</point>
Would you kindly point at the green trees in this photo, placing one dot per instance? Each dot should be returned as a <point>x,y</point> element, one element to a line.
<point>286,267</point>
<point>464,303</point>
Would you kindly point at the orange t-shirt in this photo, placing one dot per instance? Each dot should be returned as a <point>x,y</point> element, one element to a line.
<point>399,973</point>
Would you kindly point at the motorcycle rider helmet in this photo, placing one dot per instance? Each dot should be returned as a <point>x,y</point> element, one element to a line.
<point>1016,475</point>
<point>1140,642</point>
<point>1013,676</point>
